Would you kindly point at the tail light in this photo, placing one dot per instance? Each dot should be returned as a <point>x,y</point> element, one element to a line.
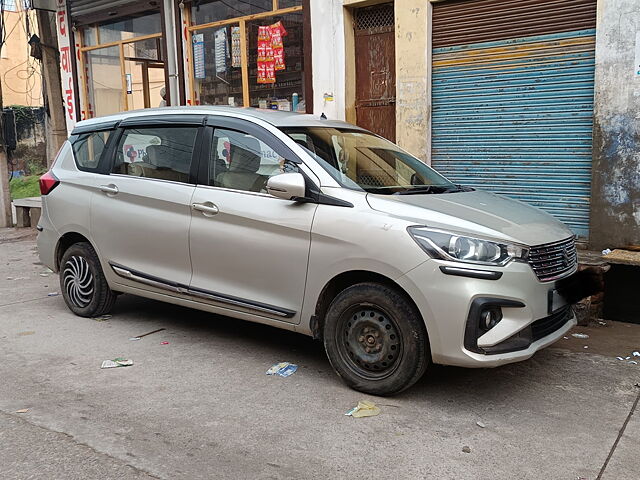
<point>48,182</point>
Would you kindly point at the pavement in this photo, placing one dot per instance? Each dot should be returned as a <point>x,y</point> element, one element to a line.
<point>201,407</point>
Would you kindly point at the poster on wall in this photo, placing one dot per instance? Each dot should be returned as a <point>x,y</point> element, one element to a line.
<point>198,56</point>
<point>66,72</point>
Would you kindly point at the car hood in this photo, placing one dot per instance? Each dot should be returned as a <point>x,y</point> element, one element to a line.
<point>475,213</point>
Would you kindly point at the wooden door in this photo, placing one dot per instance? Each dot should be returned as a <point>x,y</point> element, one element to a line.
<point>376,70</point>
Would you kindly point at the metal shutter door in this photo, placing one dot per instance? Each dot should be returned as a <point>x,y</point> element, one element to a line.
<point>512,98</point>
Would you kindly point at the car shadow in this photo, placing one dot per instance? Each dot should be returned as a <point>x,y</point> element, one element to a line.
<point>462,385</point>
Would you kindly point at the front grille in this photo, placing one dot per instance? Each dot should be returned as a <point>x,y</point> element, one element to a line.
<point>546,326</point>
<point>553,260</point>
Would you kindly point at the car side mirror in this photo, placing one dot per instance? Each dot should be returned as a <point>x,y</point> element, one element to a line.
<point>288,186</point>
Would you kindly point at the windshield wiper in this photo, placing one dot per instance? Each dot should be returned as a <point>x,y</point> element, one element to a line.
<point>426,189</point>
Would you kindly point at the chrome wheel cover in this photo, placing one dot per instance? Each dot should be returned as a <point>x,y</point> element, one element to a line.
<point>77,280</point>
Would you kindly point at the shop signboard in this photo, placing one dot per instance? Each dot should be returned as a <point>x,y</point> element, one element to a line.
<point>198,56</point>
<point>66,71</point>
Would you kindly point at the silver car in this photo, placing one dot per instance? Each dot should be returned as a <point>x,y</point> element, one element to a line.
<point>306,224</point>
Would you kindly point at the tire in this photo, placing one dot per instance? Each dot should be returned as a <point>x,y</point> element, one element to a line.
<point>82,282</point>
<point>375,339</point>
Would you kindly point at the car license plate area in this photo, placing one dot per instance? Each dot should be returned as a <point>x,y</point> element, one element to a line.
<point>555,301</point>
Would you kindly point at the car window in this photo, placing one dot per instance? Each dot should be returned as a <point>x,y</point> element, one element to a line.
<point>241,161</point>
<point>363,161</point>
<point>88,148</point>
<point>153,152</point>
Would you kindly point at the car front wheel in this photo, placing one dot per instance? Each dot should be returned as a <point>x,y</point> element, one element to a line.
<point>82,282</point>
<point>375,339</point>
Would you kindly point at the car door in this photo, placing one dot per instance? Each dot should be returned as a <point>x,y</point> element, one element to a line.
<point>249,250</point>
<point>140,213</point>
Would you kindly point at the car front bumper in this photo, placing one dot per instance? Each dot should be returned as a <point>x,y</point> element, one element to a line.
<point>533,316</point>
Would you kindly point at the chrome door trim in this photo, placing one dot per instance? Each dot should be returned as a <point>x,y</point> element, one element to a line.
<point>163,284</point>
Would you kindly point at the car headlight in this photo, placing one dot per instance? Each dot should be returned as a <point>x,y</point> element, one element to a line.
<point>460,248</point>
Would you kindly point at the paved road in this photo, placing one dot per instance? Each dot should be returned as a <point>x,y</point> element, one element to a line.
<point>202,407</point>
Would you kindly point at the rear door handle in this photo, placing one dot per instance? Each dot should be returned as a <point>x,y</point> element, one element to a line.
<point>206,208</point>
<point>112,189</point>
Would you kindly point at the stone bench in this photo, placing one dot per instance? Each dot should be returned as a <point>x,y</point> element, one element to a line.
<point>27,211</point>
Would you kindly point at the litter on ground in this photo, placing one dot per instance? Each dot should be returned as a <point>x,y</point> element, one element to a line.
<point>23,410</point>
<point>164,343</point>
<point>466,449</point>
<point>580,335</point>
<point>102,318</point>
<point>364,409</point>
<point>117,362</point>
<point>53,294</point>
<point>283,369</point>
<point>145,334</point>
<point>481,424</point>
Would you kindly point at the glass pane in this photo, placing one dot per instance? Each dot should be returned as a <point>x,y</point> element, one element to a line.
<point>363,161</point>
<point>88,147</point>
<point>104,81</point>
<point>217,66</point>
<point>160,153</point>
<point>289,3</point>
<point>242,162</point>
<point>216,10</point>
<point>276,76</point>
<point>89,36</point>
<point>144,49</point>
<point>130,27</point>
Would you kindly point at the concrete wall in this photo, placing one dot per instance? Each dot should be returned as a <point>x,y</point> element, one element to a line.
<point>413,78</point>
<point>21,84</point>
<point>328,44</point>
<point>615,210</point>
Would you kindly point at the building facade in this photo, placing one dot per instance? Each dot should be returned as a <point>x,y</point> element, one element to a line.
<point>21,78</point>
<point>537,99</point>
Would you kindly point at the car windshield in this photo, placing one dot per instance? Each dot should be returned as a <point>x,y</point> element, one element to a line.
<point>362,161</point>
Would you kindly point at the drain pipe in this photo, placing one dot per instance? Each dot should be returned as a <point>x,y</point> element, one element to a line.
<point>172,56</point>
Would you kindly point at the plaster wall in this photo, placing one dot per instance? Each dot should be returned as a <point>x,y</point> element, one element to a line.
<point>328,44</point>
<point>615,202</point>
<point>413,77</point>
<point>21,76</point>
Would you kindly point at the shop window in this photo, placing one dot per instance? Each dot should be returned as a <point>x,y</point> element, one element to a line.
<point>129,73</point>
<point>265,69</point>
<point>276,76</point>
<point>289,3</point>
<point>129,27</point>
<point>218,78</point>
<point>218,10</point>
<point>104,80</point>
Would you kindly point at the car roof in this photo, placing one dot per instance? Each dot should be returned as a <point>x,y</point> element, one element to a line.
<point>274,117</point>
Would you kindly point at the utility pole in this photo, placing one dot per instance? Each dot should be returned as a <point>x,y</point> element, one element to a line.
<point>57,131</point>
<point>5,194</point>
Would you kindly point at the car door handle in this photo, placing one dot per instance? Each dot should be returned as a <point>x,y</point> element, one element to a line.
<point>112,189</point>
<point>206,208</point>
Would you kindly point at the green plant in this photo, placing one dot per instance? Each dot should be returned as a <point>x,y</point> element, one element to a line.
<point>24,187</point>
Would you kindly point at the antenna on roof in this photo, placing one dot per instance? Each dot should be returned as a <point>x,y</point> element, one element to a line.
<point>323,116</point>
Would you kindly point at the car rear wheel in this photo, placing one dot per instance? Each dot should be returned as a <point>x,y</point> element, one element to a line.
<point>375,339</point>
<point>82,282</point>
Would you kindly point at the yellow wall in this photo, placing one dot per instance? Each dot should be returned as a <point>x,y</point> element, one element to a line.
<point>21,80</point>
<point>412,77</point>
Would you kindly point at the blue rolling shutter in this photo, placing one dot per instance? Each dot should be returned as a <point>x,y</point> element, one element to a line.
<point>515,116</point>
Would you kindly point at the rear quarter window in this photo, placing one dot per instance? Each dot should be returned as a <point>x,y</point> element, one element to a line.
<point>88,148</point>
